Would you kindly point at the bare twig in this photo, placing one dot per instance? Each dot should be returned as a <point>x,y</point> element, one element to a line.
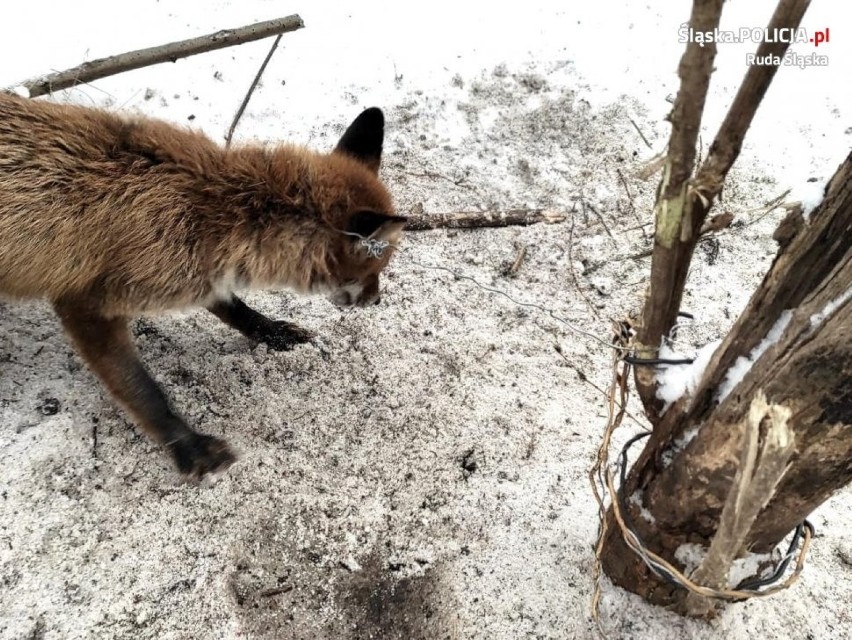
<point>629,195</point>
<point>519,259</point>
<point>647,253</point>
<point>728,142</point>
<point>641,226</point>
<point>651,167</point>
<point>639,131</point>
<point>574,275</point>
<point>600,219</point>
<point>251,89</point>
<point>171,52</point>
<point>769,207</point>
<point>458,182</point>
<point>606,394</point>
<point>275,591</point>
<point>477,219</point>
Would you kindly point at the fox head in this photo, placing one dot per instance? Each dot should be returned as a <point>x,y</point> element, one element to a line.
<point>365,227</point>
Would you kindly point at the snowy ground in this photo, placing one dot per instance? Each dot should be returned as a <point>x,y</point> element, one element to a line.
<point>428,480</point>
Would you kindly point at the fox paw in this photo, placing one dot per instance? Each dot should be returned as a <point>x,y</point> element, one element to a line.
<point>283,336</point>
<point>197,455</point>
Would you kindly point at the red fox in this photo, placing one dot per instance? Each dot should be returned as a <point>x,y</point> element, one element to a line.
<point>108,217</point>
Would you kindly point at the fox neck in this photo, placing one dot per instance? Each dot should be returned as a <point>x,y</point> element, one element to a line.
<point>270,240</point>
<point>269,259</point>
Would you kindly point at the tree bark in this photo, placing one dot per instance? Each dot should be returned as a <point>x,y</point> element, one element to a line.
<point>684,482</point>
<point>103,67</point>
<point>675,216</point>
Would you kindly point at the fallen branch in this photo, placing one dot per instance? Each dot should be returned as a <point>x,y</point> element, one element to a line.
<point>171,52</point>
<point>479,219</point>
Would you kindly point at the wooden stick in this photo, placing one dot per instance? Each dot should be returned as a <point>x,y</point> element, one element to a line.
<point>479,219</point>
<point>694,70</point>
<point>516,265</point>
<point>171,52</point>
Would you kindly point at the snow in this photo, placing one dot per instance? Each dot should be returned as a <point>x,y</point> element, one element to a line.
<point>832,306</point>
<point>690,555</point>
<point>350,490</point>
<point>676,380</point>
<point>810,194</point>
<point>749,567</point>
<point>636,499</point>
<point>679,444</point>
<point>743,364</point>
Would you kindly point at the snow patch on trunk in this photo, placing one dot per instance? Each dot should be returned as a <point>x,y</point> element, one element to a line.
<point>749,567</point>
<point>743,364</point>
<point>690,555</point>
<point>810,194</point>
<point>673,381</point>
<point>636,499</point>
<point>818,318</point>
<point>679,445</point>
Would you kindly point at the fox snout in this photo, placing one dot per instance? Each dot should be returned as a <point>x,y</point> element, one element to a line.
<point>359,294</point>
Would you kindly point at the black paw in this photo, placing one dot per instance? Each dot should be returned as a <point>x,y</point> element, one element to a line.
<point>197,454</point>
<point>282,336</point>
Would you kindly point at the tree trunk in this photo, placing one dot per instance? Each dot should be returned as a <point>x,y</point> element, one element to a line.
<point>686,471</point>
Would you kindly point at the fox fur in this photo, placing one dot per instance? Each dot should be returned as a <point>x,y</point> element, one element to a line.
<point>108,217</point>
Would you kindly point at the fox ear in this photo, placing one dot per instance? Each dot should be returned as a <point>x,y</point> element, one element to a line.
<point>364,138</point>
<point>370,224</point>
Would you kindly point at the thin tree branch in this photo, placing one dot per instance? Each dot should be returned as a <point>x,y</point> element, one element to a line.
<point>673,237</point>
<point>729,140</point>
<point>694,70</point>
<point>250,91</point>
<point>171,52</point>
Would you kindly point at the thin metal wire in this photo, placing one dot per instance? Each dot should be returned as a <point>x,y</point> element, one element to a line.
<point>672,575</point>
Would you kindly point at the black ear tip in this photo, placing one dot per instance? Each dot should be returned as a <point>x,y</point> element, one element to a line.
<point>373,117</point>
<point>363,138</point>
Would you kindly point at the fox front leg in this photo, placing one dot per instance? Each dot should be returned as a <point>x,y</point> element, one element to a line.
<point>107,347</point>
<point>278,334</point>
